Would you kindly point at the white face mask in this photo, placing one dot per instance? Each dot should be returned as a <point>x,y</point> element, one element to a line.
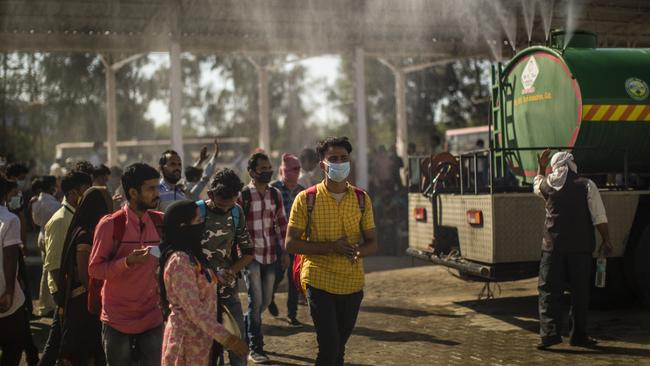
<point>22,184</point>
<point>338,172</point>
<point>15,202</point>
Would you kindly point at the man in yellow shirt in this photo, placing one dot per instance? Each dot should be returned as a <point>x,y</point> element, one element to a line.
<point>73,185</point>
<point>340,235</point>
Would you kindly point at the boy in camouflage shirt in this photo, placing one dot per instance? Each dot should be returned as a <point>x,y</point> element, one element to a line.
<point>222,237</point>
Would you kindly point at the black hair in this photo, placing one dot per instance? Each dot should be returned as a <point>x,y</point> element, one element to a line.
<point>48,182</point>
<point>163,158</point>
<point>323,145</point>
<point>193,173</point>
<point>84,167</point>
<point>308,155</point>
<point>37,185</point>
<point>4,188</point>
<point>255,158</point>
<point>75,180</point>
<point>135,175</point>
<point>226,184</point>
<point>100,170</point>
<point>16,169</point>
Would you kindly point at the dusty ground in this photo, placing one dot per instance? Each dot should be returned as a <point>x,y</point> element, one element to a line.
<point>423,315</point>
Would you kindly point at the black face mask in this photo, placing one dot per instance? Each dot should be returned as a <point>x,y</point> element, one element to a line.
<point>264,177</point>
<point>191,234</point>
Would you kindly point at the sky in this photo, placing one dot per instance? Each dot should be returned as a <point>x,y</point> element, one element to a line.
<point>324,69</point>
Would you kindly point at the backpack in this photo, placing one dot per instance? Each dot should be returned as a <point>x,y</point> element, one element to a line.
<point>235,213</point>
<point>95,285</point>
<point>311,201</point>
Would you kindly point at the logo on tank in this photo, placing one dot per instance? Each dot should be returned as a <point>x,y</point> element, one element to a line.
<point>636,88</point>
<point>529,75</point>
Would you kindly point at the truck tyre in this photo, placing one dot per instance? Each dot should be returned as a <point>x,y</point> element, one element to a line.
<point>641,267</point>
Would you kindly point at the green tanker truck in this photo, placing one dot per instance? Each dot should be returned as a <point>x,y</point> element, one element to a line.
<point>476,211</point>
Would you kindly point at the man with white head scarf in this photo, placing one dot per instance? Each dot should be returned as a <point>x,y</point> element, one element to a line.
<point>573,208</point>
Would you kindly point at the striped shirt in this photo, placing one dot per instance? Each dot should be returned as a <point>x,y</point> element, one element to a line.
<point>266,224</point>
<point>168,194</point>
<point>288,196</point>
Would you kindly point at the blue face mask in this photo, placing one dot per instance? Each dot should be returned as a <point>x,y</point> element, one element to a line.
<point>338,172</point>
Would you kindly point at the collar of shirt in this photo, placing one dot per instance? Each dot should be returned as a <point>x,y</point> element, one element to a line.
<point>47,197</point>
<point>281,185</point>
<point>166,187</point>
<point>68,206</point>
<point>251,185</point>
<point>323,189</point>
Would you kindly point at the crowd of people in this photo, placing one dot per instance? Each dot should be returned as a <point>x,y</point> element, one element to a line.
<point>147,271</point>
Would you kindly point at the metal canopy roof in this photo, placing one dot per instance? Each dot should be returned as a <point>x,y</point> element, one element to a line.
<point>389,28</point>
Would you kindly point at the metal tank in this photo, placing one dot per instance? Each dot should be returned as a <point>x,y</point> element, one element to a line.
<point>594,100</point>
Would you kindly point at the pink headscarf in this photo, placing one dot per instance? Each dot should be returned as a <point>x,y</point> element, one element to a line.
<point>290,169</point>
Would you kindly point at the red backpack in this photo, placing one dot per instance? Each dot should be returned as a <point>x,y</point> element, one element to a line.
<point>119,227</point>
<point>311,201</point>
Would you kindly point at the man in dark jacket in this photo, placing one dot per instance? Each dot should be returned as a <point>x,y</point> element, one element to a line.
<point>573,208</point>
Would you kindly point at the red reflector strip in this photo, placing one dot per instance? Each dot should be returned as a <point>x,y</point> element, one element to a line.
<point>475,217</point>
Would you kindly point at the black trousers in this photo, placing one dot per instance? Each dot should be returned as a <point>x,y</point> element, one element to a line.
<point>558,272</point>
<point>334,317</point>
<point>12,337</point>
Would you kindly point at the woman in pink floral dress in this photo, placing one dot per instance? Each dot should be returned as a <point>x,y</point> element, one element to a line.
<point>188,292</point>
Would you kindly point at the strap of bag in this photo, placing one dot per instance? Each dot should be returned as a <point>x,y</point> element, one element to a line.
<point>246,199</point>
<point>311,202</point>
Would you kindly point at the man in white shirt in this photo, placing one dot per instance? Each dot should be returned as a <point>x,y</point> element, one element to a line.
<point>12,299</point>
<point>573,208</point>
<point>42,210</point>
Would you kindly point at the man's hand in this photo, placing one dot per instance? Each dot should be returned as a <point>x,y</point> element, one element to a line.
<point>6,300</point>
<point>344,248</point>
<point>284,261</point>
<point>203,155</point>
<point>542,160</point>
<point>236,345</point>
<point>137,256</point>
<point>606,248</point>
<point>216,148</point>
<point>226,277</point>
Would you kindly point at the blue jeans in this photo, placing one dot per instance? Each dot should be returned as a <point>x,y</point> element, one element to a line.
<point>259,283</point>
<point>230,299</point>
<point>292,291</point>
<point>124,349</point>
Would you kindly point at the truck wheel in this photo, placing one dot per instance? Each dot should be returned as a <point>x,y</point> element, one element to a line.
<point>617,293</point>
<point>641,260</point>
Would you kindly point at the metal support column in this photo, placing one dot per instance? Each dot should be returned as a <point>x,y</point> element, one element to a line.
<point>362,127</point>
<point>111,105</point>
<point>176,102</point>
<point>402,137</point>
<point>264,108</point>
<point>111,120</point>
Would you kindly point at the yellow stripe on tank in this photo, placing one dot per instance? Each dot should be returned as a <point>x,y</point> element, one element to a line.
<point>618,113</point>
<point>602,109</point>
<point>635,113</point>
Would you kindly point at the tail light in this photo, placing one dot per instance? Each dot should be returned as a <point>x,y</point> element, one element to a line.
<point>475,217</point>
<point>420,214</point>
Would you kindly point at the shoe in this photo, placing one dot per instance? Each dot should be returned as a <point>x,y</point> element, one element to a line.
<point>585,343</point>
<point>273,309</point>
<point>258,357</point>
<point>545,343</point>
<point>294,323</point>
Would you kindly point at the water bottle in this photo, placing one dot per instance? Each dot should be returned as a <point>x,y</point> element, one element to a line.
<point>601,268</point>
